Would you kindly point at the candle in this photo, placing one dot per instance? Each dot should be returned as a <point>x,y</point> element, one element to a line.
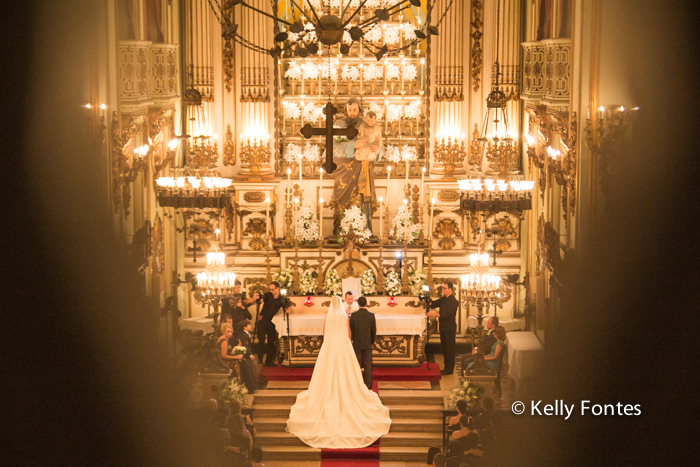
<point>432,213</point>
<point>300,166</point>
<point>289,184</point>
<point>407,170</point>
<point>296,203</point>
<point>320,183</point>
<point>422,180</point>
<point>381,218</point>
<point>267,217</point>
<point>320,220</point>
<point>388,175</point>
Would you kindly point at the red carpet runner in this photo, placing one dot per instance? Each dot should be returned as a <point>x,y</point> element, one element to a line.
<point>432,373</point>
<point>363,457</point>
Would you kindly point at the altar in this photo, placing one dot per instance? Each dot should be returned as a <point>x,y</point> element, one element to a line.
<point>401,333</point>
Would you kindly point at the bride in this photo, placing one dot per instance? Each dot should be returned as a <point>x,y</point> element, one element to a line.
<point>338,411</point>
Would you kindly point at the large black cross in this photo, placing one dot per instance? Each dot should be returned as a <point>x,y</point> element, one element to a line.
<point>308,131</point>
<point>194,249</point>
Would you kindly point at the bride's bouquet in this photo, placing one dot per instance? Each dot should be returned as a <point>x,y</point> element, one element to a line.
<point>238,350</point>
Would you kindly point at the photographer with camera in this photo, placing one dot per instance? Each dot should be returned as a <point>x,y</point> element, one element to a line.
<point>448,306</point>
<point>272,302</point>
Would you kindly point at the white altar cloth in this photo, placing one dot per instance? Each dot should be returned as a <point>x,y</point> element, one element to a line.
<point>525,355</point>
<point>199,323</point>
<point>312,324</point>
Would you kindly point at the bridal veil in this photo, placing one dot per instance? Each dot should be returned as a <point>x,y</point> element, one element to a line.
<point>338,411</point>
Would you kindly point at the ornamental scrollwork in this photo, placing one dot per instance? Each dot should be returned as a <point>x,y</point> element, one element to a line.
<point>390,344</point>
<point>308,344</point>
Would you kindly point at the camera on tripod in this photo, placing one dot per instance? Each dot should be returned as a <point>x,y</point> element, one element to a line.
<point>425,296</point>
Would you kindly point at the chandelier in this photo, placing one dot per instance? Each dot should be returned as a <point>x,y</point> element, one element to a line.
<point>311,28</point>
<point>495,195</point>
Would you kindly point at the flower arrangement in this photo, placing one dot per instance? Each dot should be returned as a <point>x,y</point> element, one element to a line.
<point>312,112</point>
<point>408,30</point>
<point>291,110</point>
<point>292,152</point>
<point>392,71</point>
<point>403,226</point>
<point>311,153</point>
<point>392,284</point>
<point>332,284</point>
<point>238,350</point>
<point>330,70</point>
<point>416,281</point>
<point>307,225</point>
<point>308,35</point>
<point>374,34</point>
<point>368,283</point>
<point>309,71</point>
<point>308,282</point>
<point>409,153</point>
<point>350,73</point>
<point>392,34</point>
<point>377,109</point>
<point>413,110</point>
<point>294,71</point>
<point>393,154</point>
<point>233,390</point>
<point>393,113</point>
<point>355,218</point>
<point>373,72</point>
<point>409,72</point>
<point>285,278</point>
<point>464,390</point>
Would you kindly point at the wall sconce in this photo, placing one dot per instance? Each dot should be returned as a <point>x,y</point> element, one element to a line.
<point>96,123</point>
<point>612,123</point>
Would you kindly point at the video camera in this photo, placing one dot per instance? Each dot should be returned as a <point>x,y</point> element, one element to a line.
<point>425,296</point>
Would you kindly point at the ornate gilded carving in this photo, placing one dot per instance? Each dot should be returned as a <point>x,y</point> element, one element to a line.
<point>475,224</point>
<point>548,249</point>
<point>229,157</point>
<point>326,303</point>
<point>255,153</point>
<point>254,82</point>
<point>158,247</point>
<point>255,284</point>
<point>504,228</point>
<point>448,196</point>
<point>390,344</point>
<point>475,150</point>
<point>124,166</point>
<point>534,58</point>
<point>448,86</point>
<point>372,303</point>
<point>254,197</point>
<point>256,228</point>
<point>414,304</point>
<point>447,228</point>
<point>476,51</point>
<point>201,229</point>
<point>307,344</point>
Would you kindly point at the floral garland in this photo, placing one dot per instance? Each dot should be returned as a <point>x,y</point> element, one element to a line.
<point>368,283</point>
<point>355,218</point>
<point>465,390</point>
<point>392,284</point>
<point>308,282</point>
<point>416,281</point>
<point>285,278</point>
<point>307,226</point>
<point>332,285</point>
<point>403,225</point>
<point>233,390</point>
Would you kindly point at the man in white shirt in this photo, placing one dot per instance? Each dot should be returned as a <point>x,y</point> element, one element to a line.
<point>350,304</point>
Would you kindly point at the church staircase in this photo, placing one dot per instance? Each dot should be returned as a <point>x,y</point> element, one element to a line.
<point>416,426</point>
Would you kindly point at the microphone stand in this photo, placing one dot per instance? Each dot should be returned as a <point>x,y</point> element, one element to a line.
<point>257,313</point>
<point>286,318</point>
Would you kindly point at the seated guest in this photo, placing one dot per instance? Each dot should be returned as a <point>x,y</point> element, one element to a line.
<point>455,454</point>
<point>244,339</point>
<point>227,455</point>
<point>240,438</point>
<point>483,420</point>
<point>493,359</point>
<point>431,454</point>
<point>247,372</point>
<point>466,424</point>
<point>439,460</point>
<point>484,345</point>
<point>256,456</point>
<point>471,451</point>
<point>453,424</point>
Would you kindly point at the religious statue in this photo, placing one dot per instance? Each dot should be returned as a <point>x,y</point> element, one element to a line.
<point>354,177</point>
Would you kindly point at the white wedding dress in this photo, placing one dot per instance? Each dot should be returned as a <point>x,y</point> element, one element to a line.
<point>338,411</point>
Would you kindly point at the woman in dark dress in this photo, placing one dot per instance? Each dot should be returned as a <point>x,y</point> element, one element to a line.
<point>240,438</point>
<point>247,373</point>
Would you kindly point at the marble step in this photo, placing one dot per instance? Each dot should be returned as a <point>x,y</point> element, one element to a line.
<point>430,412</point>
<point>389,397</point>
<point>416,455</point>
<point>397,425</point>
<point>412,439</point>
<point>403,454</point>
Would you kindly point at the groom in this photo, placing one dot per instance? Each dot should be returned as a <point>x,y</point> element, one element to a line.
<point>363,328</point>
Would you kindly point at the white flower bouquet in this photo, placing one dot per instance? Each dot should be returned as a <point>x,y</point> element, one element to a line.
<point>350,73</point>
<point>393,113</point>
<point>409,72</point>
<point>294,71</point>
<point>332,285</point>
<point>392,34</point>
<point>409,153</point>
<point>308,282</point>
<point>368,283</point>
<point>285,278</point>
<point>312,112</point>
<point>233,390</point>
<point>373,72</point>
<point>464,390</point>
<point>408,30</point>
<point>413,110</point>
<point>374,34</point>
<point>392,71</point>
<point>392,284</point>
<point>403,226</point>
<point>309,71</point>
<point>292,152</point>
<point>311,153</point>
<point>416,281</point>
<point>377,109</point>
<point>307,225</point>
<point>238,350</point>
<point>355,218</point>
<point>393,154</point>
<point>292,111</point>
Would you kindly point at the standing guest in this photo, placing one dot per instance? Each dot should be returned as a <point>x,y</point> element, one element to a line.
<point>245,340</point>
<point>363,330</point>
<point>448,305</point>
<point>240,312</point>
<point>272,302</point>
<point>350,305</point>
<point>484,345</point>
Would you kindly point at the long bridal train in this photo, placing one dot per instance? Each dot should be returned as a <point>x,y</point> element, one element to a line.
<point>338,411</point>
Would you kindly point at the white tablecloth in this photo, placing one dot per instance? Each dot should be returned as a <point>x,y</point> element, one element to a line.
<point>312,324</point>
<point>525,355</point>
<point>200,323</point>
<point>513,325</point>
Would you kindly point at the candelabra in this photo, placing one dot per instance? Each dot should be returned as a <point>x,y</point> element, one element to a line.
<point>255,152</point>
<point>495,195</point>
<point>189,189</point>
<point>213,285</point>
<point>450,151</point>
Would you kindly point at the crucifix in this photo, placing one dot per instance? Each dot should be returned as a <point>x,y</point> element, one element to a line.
<point>194,249</point>
<point>308,131</point>
<point>495,251</point>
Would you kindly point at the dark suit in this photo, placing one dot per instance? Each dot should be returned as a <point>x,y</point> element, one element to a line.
<point>484,346</point>
<point>448,328</point>
<point>267,331</point>
<point>363,328</point>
